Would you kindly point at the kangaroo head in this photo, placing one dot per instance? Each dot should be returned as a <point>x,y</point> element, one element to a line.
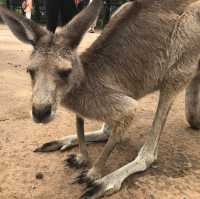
<point>54,65</point>
<point>52,69</point>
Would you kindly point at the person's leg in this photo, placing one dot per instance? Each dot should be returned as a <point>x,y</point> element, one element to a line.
<point>93,26</point>
<point>68,11</point>
<point>52,9</point>
<point>28,14</point>
<point>8,4</point>
<point>21,7</point>
<point>107,13</point>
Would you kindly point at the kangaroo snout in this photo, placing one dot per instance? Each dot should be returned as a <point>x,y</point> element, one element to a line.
<point>41,114</point>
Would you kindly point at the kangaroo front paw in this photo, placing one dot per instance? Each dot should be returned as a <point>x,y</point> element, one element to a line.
<point>76,161</point>
<point>101,187</point>
<point>87,176</point>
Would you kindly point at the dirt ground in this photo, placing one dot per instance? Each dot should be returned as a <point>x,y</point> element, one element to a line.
<point>176,175</point>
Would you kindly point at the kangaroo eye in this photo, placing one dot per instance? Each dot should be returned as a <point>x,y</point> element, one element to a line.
<point>63,74</point>
<point>31,72</point>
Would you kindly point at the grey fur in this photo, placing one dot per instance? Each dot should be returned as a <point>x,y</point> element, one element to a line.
<point>147,46</point>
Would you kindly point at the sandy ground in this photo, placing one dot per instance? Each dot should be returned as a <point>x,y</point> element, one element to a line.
<point>176,175</point>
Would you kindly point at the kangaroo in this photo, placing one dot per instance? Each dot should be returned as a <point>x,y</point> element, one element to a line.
<point>149,45</point>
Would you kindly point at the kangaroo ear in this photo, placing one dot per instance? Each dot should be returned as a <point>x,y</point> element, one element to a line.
<point>74,30</point>
<point>24,29</point>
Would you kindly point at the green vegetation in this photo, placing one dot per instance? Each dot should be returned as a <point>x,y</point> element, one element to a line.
<point>2,2</point>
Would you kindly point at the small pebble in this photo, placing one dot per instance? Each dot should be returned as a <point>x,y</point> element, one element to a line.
<point>33,187</point>
<point>39,176</point>
<point>17,65</point>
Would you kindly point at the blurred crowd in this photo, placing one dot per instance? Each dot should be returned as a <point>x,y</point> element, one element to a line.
<point>60,12</point>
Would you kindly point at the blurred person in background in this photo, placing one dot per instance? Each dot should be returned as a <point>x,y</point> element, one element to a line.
<point>110,6</point>
<point>27,7</point>
<point>93,26</point>
<point>65,9</point>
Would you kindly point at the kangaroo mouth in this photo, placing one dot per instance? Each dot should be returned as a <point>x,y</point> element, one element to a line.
<point>43,121</point>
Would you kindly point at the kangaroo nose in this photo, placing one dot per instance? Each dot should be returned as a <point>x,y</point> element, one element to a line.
<point>41,114</point>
